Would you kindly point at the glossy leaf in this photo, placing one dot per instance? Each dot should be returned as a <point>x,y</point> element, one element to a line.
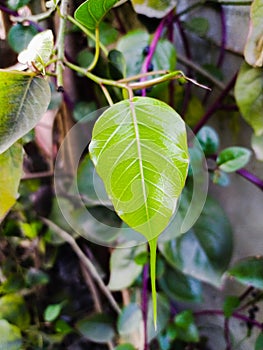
<point>205,251</point>
<point>91,12</point>
<point>129,140</point>
<point>13,309</point>
<point>96,328</point>
<point>11,165</point>
<point>208,140</point>
<point>19,36</point>
<point>23,100</point>
<point>233,158</point>
<point>249,272</point>
<point>10,336</point>
<point>38,51</point>
<point>124,269</point>
<point>249,96</point>
<point>129,320</point>
<point>257,145</point>
<point>178,286</point>
<point>254,45</point>
<point>153,8</point>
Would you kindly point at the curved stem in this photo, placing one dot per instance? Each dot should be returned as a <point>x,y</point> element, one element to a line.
<point>251,178</point>
<point>97,50</point>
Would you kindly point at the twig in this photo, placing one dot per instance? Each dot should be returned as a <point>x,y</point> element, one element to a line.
<point>86,262</point>
<point>251,178</point>
<point>227,334</point>
<point>215,105</point>
<point>92,288</point>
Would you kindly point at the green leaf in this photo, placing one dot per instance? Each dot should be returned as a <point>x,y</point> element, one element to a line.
<point>96,328</point>
<point>10,336</point>
<point>257,145</point>
<point>153,8</point>
<point>249,96</point>
<point>179,286</point>
<point>83,111</point>
<point>185,326</point>
<point>259,342</point>
<point>117,64</point>
<point>231,302</point>
<point>233,158</point>
<point>16,4</point>
<point>36,277</point>
<point>249,271</point>
<point>220,178</point>
<point>198,25</point>
<point>125,347</point>
<point>38,51</point>
<point>194,112</point>
<point>63,327</point>
<point>203,252</point>
<point>130,144</point>
<point>129,320</point>
<point>19,36</point>
<point>254,45</point>
<point>11,165</point>
<point>23,100</point>
<point>208,139</point>
<point>13,309</point>
<point>124,270</point>
<point>91,12</point>
<point>53,311</point>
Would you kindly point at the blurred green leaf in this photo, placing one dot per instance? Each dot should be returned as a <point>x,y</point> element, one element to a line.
<point>179,286</point>
<point>125,347</point>
<point>11,163</point>
<point>63,327</point>
<point>205,251</point>
<point>248,271</point>
<point>124,269</point>
<point>24,98</point>
<point>153,8</point>
<point>129,320</point>
<point>249,96</point>
<point>36,277</point>
<point>220,178</point>
<point>16,4</point>
<point>83,111</point>
<point>197,25</point>
<point>233,158</point>
<point>185,327</point>
<point>10,336</point>
<point>91,12</point>
<point>208,139</point>
<point>53,311</point>
<point>259,342</point>
<point>96,328</point>
<point>257,145</point>
<point>19,36</point>
<point>231,302</point>
<point>117,65</point>
<point>194,112</point>
<point>14,310</point>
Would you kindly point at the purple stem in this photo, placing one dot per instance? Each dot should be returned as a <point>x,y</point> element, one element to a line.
<point>227,334</point>
<point>8,11</point>
<point>235,315</point>
<point>251,177</point>
<point>152,49</point>
<point>215,105</point>
<point>223,37</point>
<point>145,277</point>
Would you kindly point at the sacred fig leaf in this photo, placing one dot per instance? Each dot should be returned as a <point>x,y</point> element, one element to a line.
<point>91,12</point>
<point>38,51</point>
<point>11,162</point>
<point>153,8</point>
<point>139,149</point>
<point>254,45</point>
<point>249,96</point>
<point>23,100</point>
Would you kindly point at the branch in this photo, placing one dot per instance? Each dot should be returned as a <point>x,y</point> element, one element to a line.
<point>86,262</point>
<point>251,178</point>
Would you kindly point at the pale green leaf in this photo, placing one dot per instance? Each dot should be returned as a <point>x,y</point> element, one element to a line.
<point>254,45</point>
<point>96,328</point>
<point>52,311</point>
<point>139,149</point>
<point>249,271</point>
<point>10,336</point>
<point>23,100</point>
<point>38,51</point>
<point>124,269</point>
<point>129,320</point>
<point>233,158</point>
<point>11,162</point>
<point>153,8</point>
<point>249,96</point>
<point>91,12</point>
